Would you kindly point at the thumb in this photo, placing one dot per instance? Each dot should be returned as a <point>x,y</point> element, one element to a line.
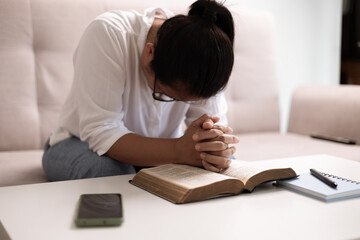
<point>209,123</point>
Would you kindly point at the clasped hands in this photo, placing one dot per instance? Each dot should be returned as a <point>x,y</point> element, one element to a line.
<point>206,144</point>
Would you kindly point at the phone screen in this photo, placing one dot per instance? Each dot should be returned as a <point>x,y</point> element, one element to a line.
<point>99,209</point>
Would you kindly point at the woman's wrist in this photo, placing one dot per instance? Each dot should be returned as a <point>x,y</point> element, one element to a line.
<point>176,150</point>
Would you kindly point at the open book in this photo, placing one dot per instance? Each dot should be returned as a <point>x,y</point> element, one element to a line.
<point>183,183</point>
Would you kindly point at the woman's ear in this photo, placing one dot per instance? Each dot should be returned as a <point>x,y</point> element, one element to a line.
<point>149,51</point>
<point>146,58</point>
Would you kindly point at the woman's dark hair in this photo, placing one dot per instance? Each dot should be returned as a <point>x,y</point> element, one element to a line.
<point>195,51</point>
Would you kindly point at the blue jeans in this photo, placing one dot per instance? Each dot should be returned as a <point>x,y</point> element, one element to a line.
<point>72,159</point>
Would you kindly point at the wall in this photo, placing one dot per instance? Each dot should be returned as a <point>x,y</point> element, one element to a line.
<point>308,35</point>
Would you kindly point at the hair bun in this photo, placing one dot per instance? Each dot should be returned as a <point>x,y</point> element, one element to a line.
<point>204,9</point>
<point>214,13</point>
<point>209,15</point>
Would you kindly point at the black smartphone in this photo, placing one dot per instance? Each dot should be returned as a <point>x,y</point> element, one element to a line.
<point>333,139</point>
<point>100,210</point>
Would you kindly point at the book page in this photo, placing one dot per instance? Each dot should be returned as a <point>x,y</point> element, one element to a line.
<point>253,174</point>
<point>241,170</point>
<point>187,176</point>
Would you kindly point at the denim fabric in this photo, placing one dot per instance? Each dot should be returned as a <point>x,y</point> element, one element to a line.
<point>72,159</point>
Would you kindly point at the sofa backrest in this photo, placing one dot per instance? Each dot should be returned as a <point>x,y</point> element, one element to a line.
<point>37,41</point>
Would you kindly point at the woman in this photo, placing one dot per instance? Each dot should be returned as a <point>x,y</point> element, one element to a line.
<point>136,78</point>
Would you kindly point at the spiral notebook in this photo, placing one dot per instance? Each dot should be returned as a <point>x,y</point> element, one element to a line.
<point>307,184</point>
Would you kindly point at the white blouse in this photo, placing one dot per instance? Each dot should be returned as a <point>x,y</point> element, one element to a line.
<point>110,96</point>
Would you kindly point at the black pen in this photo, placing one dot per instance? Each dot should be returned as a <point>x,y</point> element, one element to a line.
<point>324,179</point>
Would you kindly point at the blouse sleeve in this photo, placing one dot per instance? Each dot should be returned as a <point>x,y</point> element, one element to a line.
<point>99,73</point>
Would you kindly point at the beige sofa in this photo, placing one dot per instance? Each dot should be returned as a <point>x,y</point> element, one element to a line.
<point>37,40</point>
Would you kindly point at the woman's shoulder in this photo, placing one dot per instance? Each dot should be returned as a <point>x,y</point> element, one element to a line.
<point>132,20</point>
<point>124,21</point>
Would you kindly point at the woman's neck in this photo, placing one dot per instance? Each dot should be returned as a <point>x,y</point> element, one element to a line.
<point>151,37</point>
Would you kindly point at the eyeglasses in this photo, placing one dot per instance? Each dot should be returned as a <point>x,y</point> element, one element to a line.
<point>165,98</point>
<point>161,96</point>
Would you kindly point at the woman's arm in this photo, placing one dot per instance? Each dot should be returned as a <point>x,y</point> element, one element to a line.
<point>144,151</point>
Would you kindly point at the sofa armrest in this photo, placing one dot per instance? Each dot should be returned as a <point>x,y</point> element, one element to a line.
<point>326,110</point>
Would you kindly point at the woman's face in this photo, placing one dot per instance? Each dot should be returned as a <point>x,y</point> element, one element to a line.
<point>178,92</point>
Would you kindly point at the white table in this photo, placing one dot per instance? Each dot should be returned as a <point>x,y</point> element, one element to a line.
<point>46,211</point>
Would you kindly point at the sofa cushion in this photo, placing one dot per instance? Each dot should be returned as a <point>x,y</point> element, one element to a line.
<point>252,93</point>
<point>261,146</point>
<point>326,110</point>
<point>19,122</point>
<point>21,167</point>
